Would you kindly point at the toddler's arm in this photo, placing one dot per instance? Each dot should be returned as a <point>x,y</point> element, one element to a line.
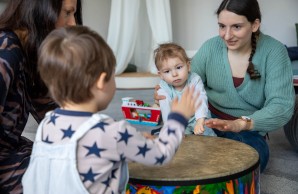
<point>164,104</point>
<point>133,146</point>
<point>202,111</point>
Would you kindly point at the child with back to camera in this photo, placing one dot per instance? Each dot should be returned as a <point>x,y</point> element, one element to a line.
<point>174,70</point>
<point>77,149</point>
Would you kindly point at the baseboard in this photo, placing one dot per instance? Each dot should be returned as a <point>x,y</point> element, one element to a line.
<point>137,80</point>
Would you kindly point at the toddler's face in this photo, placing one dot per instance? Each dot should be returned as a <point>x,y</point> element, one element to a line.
<point>174,71</point>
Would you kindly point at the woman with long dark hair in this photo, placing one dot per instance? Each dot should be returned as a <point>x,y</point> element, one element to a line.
<point>24,24</point>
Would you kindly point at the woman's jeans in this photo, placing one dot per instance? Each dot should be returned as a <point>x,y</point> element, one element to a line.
<point>252,138</point>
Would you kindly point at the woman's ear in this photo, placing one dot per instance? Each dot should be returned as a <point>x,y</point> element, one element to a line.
<point>101,80</point>
<point>256,25</point>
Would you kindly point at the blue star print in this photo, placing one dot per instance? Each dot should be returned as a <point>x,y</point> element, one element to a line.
<point>94,150</point>
<point>125,136</point>
<point>107,182</point>
<point>53,119</point>
<point>113,161</point>
<point>89,176</point>
<point>113,176</point>
<point>67,132</point>
<point>100,125</point>
<point>160,160</point>
<point>143,150</point>
<point>47,140</point>
<point>122,157</point>
<point>171,131</point>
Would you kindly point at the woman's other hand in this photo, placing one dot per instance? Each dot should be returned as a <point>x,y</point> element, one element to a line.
<point>226,125</point>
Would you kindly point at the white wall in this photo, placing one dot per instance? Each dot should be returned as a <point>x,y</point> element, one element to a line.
<point>194,21</point>
<point>96,14</point>
<point>279,19</point>
<point>2,5</point>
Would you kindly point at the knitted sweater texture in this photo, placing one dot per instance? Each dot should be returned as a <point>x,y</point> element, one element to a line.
<point>269,101</point>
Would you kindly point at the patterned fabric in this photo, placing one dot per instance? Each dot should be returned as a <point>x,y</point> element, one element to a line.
<point>15,105</point>
<point>103,152</point>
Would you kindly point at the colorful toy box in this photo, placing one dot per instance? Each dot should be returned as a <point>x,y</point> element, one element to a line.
<point>138,112</point>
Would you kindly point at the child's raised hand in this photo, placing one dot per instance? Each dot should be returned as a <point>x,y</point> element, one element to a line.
<point>188,103</point>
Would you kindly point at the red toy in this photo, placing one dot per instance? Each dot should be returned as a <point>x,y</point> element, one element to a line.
<point>138,112</point>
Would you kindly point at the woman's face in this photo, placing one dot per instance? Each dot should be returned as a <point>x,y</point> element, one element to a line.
<point>236,30</point>
<point>67,14</point>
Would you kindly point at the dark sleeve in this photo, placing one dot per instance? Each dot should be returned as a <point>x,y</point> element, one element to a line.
<point>293,53</point>
<point>40,106</point>
<point>5,79</point>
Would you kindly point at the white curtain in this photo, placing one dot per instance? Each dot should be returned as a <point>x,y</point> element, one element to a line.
<point>122,33</point>
<point>159,14</point>
<point>136,28</point>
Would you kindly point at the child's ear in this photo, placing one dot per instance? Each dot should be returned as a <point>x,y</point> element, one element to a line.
<point>159,75</point>
<point>188,66</point>
<point>101,80</point>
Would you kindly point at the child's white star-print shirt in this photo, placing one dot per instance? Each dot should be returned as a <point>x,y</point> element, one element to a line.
<point>103,152</point>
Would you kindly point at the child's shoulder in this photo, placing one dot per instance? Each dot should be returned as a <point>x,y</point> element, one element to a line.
<point>108,129</point>
<point>113,125</point>
<point>194,78</point>
<point>164,86</point>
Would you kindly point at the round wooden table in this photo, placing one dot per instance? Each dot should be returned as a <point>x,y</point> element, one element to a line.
<point>201,165</point>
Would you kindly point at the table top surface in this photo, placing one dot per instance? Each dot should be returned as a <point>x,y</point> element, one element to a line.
<point>200,157</point>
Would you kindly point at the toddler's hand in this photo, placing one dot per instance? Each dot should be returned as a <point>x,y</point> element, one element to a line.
<point>188,103</point>
<point>148,135</point>
<point>156,96</point>
<point>199,127</point>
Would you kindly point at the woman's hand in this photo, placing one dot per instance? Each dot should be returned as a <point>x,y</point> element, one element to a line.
<point>156,96</point>
<point>226,125</point>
